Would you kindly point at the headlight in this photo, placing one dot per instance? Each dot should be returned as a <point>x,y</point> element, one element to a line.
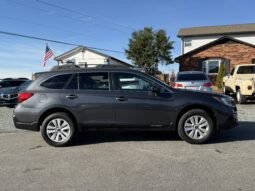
<point>226,100</point>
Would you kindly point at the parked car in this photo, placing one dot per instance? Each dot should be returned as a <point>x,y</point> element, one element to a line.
<point>193,80</point>
<point>9,89</point>
<point>62,103</point>
<point>241,82</point>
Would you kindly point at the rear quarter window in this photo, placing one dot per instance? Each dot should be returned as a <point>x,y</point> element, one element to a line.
<point>191,77</point>
<point>56,82</point>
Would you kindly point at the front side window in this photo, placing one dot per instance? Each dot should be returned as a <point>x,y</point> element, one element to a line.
<point>94,81</point>
<point>131,82</point>
<point>56,82</point>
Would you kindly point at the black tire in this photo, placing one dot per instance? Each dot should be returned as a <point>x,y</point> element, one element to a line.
<point>71,131</point>
<point>186,116</point>
<point>225,91</point>
<point>240,99</point>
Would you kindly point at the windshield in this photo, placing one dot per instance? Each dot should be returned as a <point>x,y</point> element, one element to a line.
<point>4,84</point>
<point>246,70</point>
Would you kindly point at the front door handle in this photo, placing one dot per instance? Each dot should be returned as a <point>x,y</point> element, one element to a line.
<point>121,98</point>
<point>72,96</point>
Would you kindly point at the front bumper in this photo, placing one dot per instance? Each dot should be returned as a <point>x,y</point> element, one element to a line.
<point>228,121</point>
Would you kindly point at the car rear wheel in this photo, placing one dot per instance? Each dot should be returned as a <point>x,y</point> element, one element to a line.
<point>196,126</point>
<point>58,129</point>
<point>241,99</point>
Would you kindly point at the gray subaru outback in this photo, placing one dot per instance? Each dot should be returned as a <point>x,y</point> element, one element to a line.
<point>63,103</point>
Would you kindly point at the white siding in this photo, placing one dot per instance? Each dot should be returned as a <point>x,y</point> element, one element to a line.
<point>90,58</point>
<point>200,41</point>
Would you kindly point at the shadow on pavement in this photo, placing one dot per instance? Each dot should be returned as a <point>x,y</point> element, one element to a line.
<point>243,132</point>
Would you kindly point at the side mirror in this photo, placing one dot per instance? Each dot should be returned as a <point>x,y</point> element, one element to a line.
<point>155,89</point>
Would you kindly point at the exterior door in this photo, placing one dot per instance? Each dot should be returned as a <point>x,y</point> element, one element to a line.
<point>90,97</point>
<point>136,105</point>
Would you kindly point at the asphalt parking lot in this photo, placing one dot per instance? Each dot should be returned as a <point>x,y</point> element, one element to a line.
<point>129,160</point>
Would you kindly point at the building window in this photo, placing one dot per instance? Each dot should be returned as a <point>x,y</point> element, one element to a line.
<point>211,67</point>
<point>253,61</point>
<point>187,43</point>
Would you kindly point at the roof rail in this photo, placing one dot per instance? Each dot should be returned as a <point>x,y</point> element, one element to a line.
<point>111,66</point>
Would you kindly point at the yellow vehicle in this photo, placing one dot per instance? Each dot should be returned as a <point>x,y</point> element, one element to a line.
<point>241,82</point>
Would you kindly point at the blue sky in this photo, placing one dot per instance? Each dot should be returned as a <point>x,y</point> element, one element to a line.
<point>102,24</point>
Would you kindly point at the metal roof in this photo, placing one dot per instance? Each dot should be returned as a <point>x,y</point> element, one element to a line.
<point>217,30</point>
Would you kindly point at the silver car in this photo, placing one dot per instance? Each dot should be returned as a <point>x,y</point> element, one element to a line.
<point>193,80</point>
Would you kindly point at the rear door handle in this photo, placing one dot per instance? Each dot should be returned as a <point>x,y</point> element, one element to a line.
<point>121,98</point>
<point>72,96</point>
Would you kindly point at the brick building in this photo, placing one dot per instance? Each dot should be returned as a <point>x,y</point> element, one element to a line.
<point>205,48</point>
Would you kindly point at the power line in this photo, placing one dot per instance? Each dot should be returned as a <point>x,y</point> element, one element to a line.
<point>41,25</point>
<point>54,41</point>
<point>82,14</point>
<point>65,16</point>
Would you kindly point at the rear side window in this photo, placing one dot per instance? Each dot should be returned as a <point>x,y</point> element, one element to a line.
<point>246,70</point>
<point>56,82</point>
<point>94,81</point>
<point>191,77</point>
<point>73,84</point>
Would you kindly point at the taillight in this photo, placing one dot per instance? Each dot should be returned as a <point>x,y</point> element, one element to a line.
<point>177,85</point>
<point>209,84</point>
<point>23,96</point>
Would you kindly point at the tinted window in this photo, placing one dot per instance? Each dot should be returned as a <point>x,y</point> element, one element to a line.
<point>94,81</point>
<point>126,81</point>
<point>73,84</point>
<point>56,82</point>
<point>4,84</point>
<point>16,83</point>
<point>246,70</point>
<point>191,77</point>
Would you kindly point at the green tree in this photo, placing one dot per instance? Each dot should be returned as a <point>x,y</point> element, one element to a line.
<point>220,76</point>
<point>147,49</point>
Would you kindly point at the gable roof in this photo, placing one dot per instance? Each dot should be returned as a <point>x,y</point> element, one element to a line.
<point>83,48</point>
<point>219,40</point>
<point>217,30</point>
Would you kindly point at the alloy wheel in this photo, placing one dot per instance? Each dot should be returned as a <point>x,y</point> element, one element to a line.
<point>58,130</point>
<point>196,127</point>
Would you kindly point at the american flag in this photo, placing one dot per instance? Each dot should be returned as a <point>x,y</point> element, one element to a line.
<point>48,54</point>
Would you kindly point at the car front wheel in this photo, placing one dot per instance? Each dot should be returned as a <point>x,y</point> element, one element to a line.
<point>58,129</point>
<point>196,126</point>
<point>241,99</point>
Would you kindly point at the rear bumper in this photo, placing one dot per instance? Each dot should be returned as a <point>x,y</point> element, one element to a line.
<point>26,126</point>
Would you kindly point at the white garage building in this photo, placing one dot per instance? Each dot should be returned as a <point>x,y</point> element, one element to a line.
<point>86,57</point>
